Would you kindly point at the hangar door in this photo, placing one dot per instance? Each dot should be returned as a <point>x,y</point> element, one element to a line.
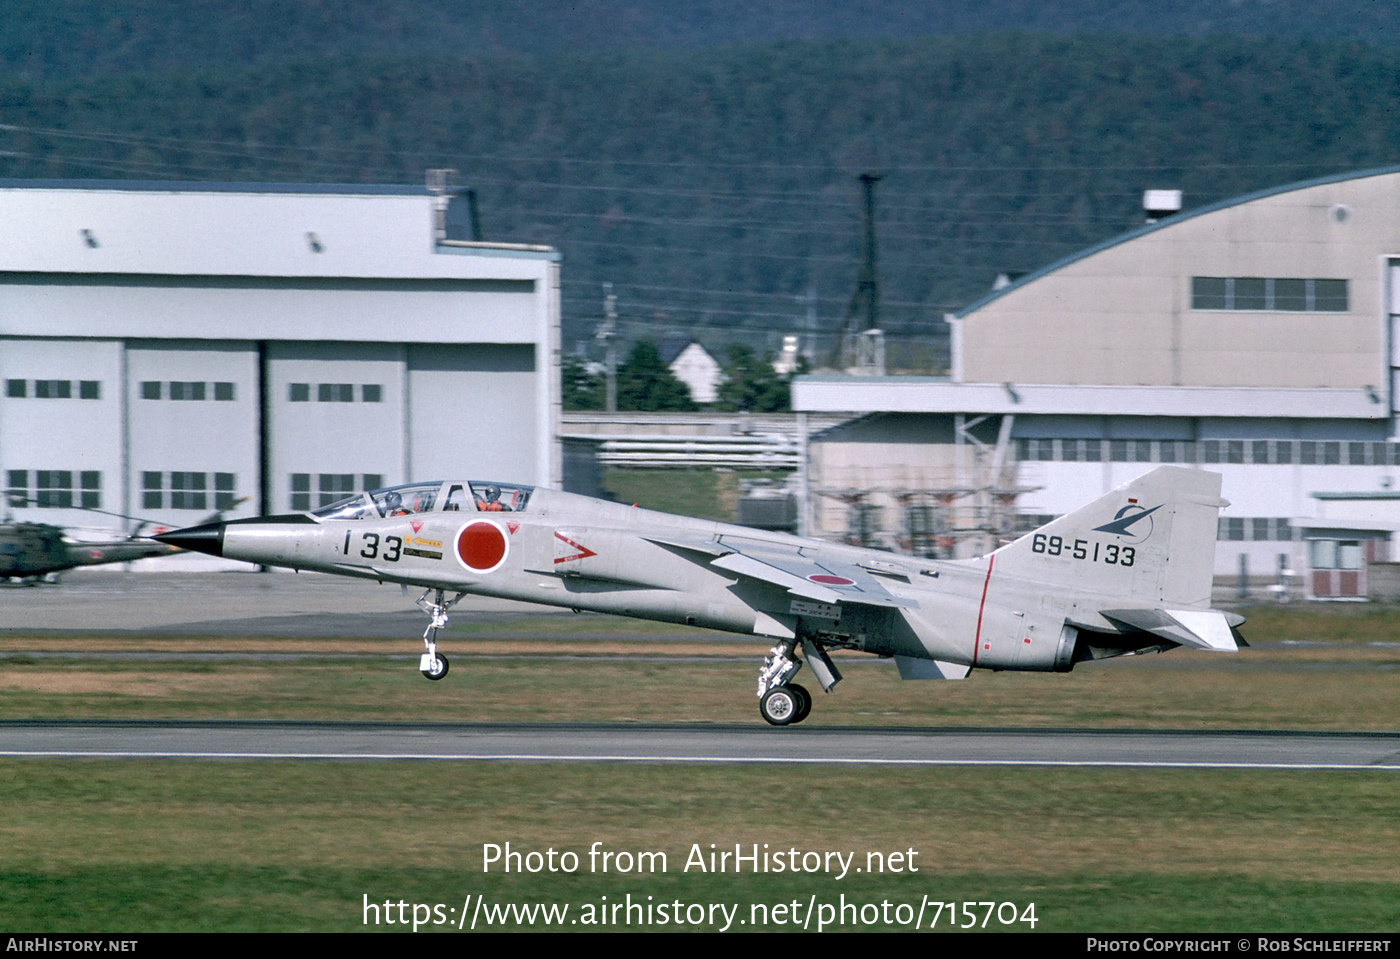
<point>474,412</point>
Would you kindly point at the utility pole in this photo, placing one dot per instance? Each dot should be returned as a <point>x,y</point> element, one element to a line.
<point>809,345</point>
<point>865,301</point>
<point>607,333</point>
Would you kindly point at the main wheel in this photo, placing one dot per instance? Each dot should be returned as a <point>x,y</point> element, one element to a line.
<point>780,705</point>
<point>804,702</point>
<point>441,670</point>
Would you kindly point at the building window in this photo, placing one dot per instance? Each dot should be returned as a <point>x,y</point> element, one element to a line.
<point>225,485</point>
<point>150,389</point>
<point>17,493</point>
<point>330,487</point>
<point>54,389</point>
<point>187,491</point>
<point>334,486</point>
<point>90,489</point>
<point>223,392</point>
<point>53,489</point>
<point>1255,529</point>
<point>301,492</point>
<point>299,392</point>
<point>152,491</point>
<point>1265,294</point>
<point>1231,528</point>
<point>335,393</point>
<point>371,393</point>
<point>180,390</point>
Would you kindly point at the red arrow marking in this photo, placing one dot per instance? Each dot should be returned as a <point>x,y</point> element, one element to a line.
<point>583,551</point>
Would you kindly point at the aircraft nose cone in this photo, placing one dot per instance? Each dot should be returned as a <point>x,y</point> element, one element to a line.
<point>208,538</point>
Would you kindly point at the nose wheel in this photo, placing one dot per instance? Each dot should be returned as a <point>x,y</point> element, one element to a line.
<point>433,664</point>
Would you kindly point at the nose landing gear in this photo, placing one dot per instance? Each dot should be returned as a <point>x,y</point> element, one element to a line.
<point>433,664</point>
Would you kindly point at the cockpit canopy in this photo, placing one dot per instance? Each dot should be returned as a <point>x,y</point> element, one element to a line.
<point>414,498</point>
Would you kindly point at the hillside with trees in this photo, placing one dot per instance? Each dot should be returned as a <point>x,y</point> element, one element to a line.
<point>54,38</point>
<point>716,188</point>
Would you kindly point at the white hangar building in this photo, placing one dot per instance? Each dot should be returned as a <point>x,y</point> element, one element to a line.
<point>171,349</point>
<point>1258,337</point>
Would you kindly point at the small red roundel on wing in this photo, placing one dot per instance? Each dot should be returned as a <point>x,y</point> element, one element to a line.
<point>826,579</point>
<point>482,546</point>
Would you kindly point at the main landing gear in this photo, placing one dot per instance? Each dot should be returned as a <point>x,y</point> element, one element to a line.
<point>784,705</point>
<point>433,664</point>
<point>781,702</point>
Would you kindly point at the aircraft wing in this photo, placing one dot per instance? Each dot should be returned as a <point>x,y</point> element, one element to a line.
<point>802,571</point>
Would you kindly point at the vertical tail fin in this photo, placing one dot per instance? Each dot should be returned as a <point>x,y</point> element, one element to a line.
<point>1149,543</point>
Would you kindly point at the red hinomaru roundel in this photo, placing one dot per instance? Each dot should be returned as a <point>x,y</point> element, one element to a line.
<point>482,546</point>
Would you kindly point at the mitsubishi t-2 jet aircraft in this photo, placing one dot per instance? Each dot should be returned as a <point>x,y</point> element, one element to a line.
<point>1129,573</point>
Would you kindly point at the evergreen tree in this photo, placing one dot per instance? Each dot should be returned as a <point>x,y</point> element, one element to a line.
<point>645,384</point>
<point>581,390</point>
<point>751,385</point>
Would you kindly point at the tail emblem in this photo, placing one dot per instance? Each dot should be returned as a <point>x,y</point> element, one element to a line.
<point>1126,518</point>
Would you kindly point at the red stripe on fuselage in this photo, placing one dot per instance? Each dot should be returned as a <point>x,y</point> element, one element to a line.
<point>977,641</point>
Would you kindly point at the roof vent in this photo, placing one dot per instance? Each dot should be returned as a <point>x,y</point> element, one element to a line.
<point>1160,203</point>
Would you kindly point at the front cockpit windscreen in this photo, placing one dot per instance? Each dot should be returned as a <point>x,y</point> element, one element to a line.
<point>358,506</point>
<point>406,500</point>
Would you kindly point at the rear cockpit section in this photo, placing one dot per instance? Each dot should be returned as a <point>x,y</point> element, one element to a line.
<point>491,497</point>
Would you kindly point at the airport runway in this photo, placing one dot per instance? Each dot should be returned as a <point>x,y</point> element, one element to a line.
<point>696,744</point>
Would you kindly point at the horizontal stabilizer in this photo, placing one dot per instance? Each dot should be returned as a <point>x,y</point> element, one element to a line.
<point>913,668</point>
<point>1207,629</point>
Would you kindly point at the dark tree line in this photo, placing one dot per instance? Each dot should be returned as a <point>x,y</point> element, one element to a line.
<point>716,188</point>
